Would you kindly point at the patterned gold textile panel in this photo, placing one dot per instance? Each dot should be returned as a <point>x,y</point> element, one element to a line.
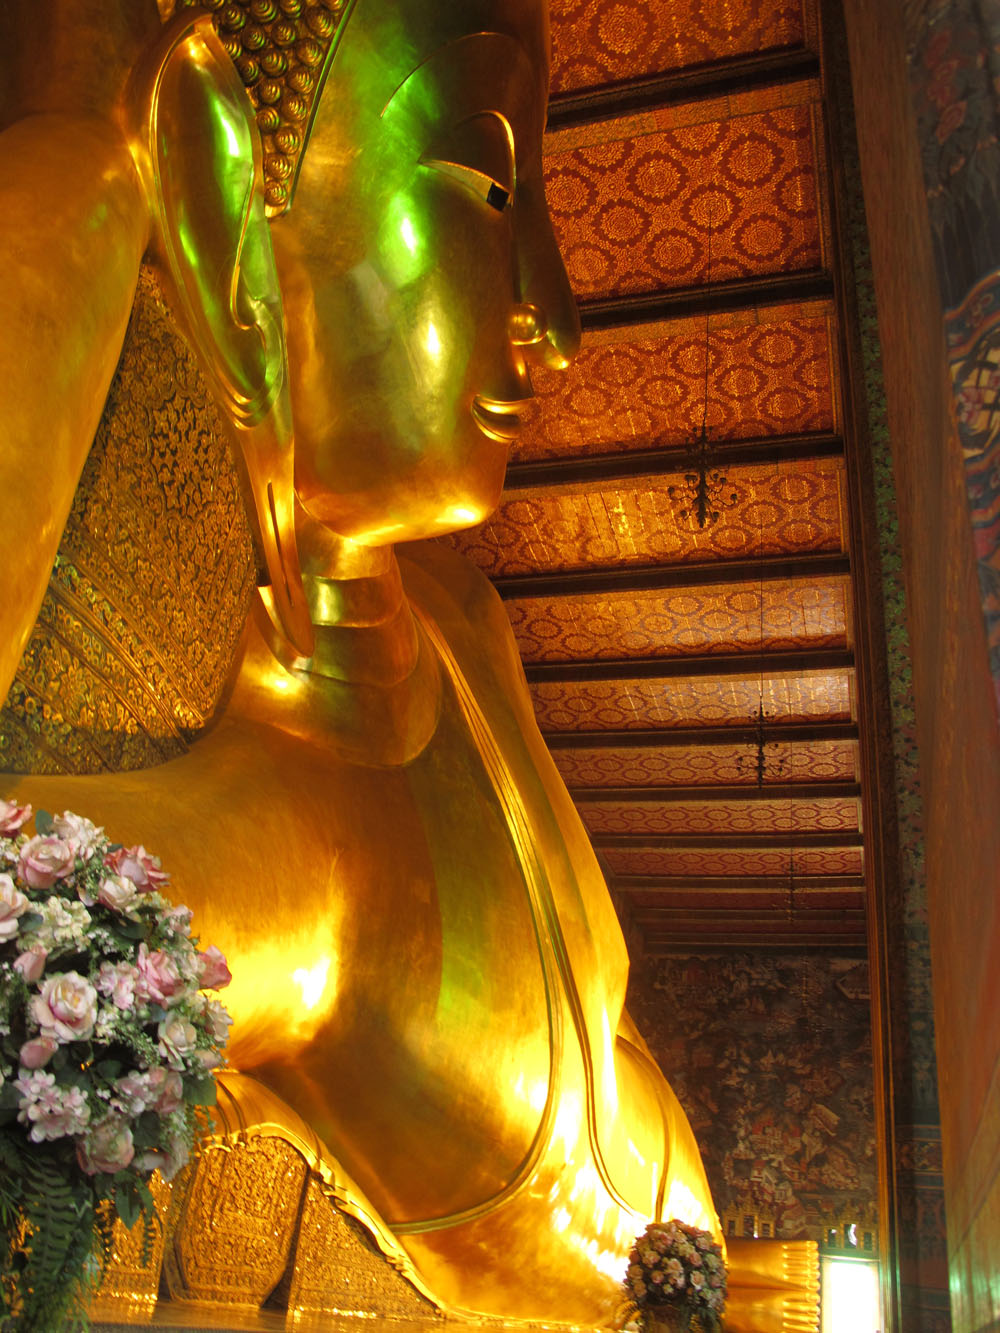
<point>636,705</point>
<point>638,203</point>
<point>153,580</point>
<point>655,624</point>
<point>779,509</point>
<point>597,42</point>
<point>770,373</point>
<point>707,765</point>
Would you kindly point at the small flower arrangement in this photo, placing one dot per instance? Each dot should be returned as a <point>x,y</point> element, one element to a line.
<point>107,1047</point>
<point>673,1265</point>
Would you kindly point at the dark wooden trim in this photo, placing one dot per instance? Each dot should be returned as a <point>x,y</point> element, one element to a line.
<point>709,664</point>
<point>697,83</point>
<point>797,733</point>
<point>812,840</point>
<point>719,298</point>
<point>774,791</point>
<point>806,566</point>
<point>625,465</point>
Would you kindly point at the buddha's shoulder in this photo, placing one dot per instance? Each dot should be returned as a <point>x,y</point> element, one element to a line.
<point>456,594</point>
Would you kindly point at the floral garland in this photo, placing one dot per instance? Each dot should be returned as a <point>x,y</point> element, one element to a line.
<point>107,1046</point>
<point>675,1265</point>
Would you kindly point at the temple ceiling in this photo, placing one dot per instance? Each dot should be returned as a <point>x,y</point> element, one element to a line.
<point>693,670</point>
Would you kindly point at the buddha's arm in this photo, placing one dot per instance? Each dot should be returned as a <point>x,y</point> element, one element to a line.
<point>74,226</point>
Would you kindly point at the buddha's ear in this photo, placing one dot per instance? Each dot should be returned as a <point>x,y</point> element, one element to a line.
<point>199,155</point>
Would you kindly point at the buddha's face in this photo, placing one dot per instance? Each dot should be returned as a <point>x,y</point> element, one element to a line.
<point>418,269</point>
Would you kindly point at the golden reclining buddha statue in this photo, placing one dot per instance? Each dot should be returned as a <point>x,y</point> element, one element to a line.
<point>344,207</point>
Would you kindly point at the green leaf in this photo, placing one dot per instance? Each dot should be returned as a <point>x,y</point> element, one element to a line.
<point>127,1206</point>
<point>43,823</point>
<point>200,1091</point>
<point>108,1069</point>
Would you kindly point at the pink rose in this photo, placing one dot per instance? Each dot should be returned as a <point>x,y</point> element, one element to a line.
<point>108,1147</point>
<point>12,816</point>
<point>209,1059</point>
<point>213,971</point>
<point>31,964</point>
<point>66,1007</point>
<point>166,1089</point>
<point>138,866</point>
<point>117,892</point>
<point>159,979</point>
<point>38,1052</point>
<point>13,904</point>
<point>178,1038</point>
<point>44,860</point>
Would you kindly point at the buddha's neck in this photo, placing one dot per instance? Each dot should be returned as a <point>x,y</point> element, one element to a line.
<point>372,672</point>
<point>365,630</point>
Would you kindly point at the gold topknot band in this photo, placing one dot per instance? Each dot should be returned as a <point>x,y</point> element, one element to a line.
<point>281,49</point>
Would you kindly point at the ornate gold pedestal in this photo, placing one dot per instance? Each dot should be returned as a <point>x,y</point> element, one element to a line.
<point>263,1220</point>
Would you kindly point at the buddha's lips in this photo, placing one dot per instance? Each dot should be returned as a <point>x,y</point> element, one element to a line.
<point>497,419</point>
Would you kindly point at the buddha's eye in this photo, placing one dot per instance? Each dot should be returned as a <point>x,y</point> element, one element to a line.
<point>479,153</point>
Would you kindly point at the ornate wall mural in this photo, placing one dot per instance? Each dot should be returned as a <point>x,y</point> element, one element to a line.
<point>771,1058</point>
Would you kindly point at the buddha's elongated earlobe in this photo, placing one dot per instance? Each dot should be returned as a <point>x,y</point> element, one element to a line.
<point>199,155</point>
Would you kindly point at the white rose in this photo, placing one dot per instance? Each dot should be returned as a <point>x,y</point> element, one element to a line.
<point>178,1038</point>
<point>117,892</point>
<point>66,1007</point>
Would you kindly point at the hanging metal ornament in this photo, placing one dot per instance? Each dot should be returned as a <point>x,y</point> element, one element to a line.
<point>703,495</point>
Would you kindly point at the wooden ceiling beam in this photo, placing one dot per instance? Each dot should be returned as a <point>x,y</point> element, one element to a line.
<point>665,738</point>
<point>819,840</point>
<point>795,662</point>
<point>705,795</point>
<point>805,566</point>
<point>697,83</point>
<point>627,464</point>
<point>717,298</point>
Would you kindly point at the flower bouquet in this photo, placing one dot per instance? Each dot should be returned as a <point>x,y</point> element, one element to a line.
<point>675,1272</point>
<point>107,1046</point>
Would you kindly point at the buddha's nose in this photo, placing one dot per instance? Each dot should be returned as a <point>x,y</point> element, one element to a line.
<point>545,321</point>
<point>527,325</point>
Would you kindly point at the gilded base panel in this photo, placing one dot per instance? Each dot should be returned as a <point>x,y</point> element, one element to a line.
<point>264,1230</point>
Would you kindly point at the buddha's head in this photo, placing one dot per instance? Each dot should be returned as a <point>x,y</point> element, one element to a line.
<point>410,249</point>
<point>417,265</point>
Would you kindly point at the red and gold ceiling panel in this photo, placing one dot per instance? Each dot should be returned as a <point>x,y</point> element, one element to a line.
<point>646,909</point>
<point>779,509</point>
<point>784,614</point>
<point>701,861</point>
<point>597,42</point>
<point>770,372</point>
<point>707,765</point>
<point>637,705</point>
<point>636,203</point>
<point>830,814</point>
